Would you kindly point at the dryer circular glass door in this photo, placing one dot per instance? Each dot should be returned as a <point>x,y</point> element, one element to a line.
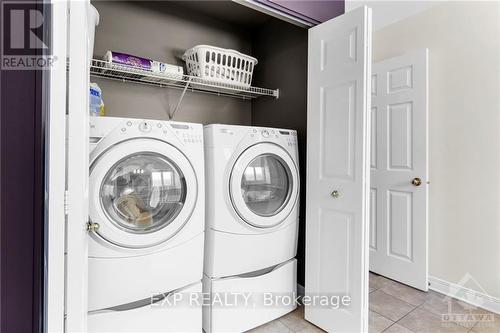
<point>264,185</point>
<point>142,192</point>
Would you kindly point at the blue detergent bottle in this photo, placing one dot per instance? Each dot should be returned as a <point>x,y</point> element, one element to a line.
<point>95,100</point>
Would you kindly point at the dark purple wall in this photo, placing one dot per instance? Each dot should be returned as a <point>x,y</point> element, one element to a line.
<point>312,11</point>
<point>21,229</point>
<point>21,201</point>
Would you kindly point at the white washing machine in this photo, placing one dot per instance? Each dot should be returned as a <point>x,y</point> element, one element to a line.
<point>252,221</point>
<point>146,207</point>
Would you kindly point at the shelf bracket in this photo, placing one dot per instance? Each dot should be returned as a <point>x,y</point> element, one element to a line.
<point>171,116</point>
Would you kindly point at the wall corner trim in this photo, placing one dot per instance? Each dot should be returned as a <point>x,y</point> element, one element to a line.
<point>476,298</point>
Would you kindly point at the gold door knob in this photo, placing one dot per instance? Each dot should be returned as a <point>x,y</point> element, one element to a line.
<point>335,194</point>
<point>416,182</point>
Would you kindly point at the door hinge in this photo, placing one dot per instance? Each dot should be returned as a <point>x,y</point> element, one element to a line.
<point>66,202</point>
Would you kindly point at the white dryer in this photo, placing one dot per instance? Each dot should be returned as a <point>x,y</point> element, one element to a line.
<point>146,207</point>
<point>252,220</point>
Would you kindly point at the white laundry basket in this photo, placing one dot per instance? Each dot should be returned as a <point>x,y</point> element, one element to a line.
<point>219,65</point>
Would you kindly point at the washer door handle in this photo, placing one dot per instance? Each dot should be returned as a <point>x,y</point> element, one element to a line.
<point>91,226</point>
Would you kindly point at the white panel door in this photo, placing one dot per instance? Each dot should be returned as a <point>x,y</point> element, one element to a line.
<point>338,171</point>
<point>398,219</point>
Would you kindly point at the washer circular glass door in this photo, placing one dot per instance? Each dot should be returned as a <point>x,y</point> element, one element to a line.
<point>142,192</point>
<point>264,185</point>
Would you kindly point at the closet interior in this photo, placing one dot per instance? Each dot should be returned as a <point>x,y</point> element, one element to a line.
<point>164,30</point>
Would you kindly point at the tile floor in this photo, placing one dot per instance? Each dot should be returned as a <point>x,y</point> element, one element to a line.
<point>397,308</point>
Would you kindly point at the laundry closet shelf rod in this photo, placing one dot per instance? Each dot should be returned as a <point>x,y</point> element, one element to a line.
<point>103,69</point>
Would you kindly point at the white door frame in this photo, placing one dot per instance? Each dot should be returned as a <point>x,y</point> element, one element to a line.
<point>77,168</point>
<point>67,169</point>
<point>55,174</point>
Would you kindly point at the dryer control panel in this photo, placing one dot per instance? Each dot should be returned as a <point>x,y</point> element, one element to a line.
<point>231,136</point>
<point>288,136</point>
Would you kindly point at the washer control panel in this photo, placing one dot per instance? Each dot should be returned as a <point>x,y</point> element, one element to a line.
<point>190,138</point>
<point>184,132</point>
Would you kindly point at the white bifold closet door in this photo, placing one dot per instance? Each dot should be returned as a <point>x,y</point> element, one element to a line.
<point>338,172</point>
<point>399,190</point>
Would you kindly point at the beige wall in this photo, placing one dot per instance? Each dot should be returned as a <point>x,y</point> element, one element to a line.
<point>160,31</point>
<point>388,12</point>
<point>464,126</point>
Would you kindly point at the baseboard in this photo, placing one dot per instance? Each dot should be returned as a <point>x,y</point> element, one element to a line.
<point>300,290</point>
<point>476,298</point>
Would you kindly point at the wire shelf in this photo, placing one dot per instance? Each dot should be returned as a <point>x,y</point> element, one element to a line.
<point>124,73</point>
